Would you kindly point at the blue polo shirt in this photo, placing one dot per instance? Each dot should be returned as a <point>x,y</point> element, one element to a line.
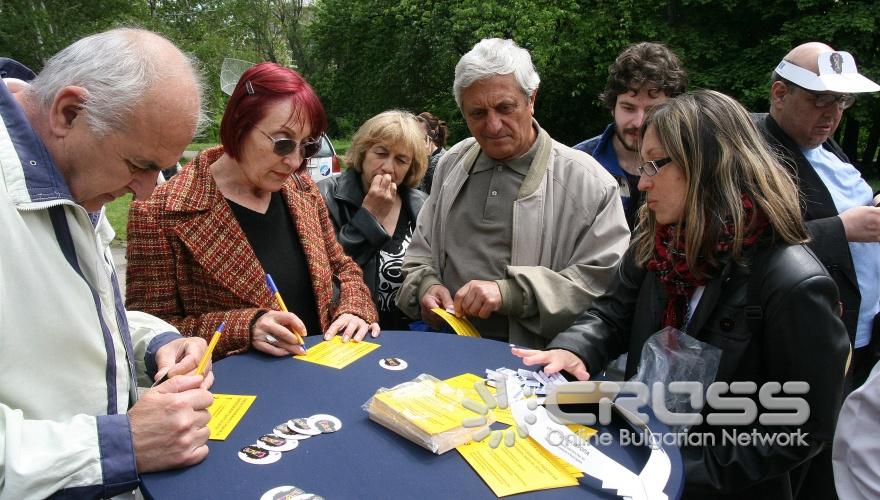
<point>847,188</point>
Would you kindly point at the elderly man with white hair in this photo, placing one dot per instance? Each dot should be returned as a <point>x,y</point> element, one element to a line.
<point>96,123</point>
<point>520,232</point>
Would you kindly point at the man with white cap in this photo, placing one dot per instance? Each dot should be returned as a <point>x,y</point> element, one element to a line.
<point>811,88</point>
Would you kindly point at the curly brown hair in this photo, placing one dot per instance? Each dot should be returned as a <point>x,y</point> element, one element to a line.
<point>643,64</point>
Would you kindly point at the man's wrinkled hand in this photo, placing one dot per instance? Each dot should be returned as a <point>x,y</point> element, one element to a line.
<point>477,298</point>
<point>169,424</point>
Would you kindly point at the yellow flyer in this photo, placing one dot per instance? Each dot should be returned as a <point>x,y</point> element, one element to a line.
<point>226,411</point>
<point>431,405</point>
<point>517,469</point>
<point>337,354</point>
<point>465,382</point>
<point>461,326</point>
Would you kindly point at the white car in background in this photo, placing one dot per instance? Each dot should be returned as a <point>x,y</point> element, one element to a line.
<point>325,163</point>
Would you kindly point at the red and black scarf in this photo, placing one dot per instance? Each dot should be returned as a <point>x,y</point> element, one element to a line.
<point>669,261</point>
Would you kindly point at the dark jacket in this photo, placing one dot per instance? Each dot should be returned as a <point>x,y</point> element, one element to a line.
<point>825,226</point>
<point>433,160</point>
<point>359,233</point>
<point>802,339</point>
<point>602,149</point>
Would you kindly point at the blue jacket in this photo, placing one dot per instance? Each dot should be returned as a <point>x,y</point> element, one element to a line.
<point>601,148</point>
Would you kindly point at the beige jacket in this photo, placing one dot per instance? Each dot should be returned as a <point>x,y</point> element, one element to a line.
<point>569,233</point>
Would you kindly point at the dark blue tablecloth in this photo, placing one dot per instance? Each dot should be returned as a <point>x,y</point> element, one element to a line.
<point>363,459</point>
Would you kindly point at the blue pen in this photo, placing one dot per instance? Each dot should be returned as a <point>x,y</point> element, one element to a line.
<point>274,289</point>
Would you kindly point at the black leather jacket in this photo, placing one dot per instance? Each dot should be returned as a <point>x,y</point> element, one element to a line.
<point>359,233</point>
<point>802,339</point>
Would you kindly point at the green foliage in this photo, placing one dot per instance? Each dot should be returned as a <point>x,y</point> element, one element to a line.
<point>379,54</point>
<point>366,56</point>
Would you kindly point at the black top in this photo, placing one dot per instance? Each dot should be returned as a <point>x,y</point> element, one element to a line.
<point>390,278</point>
<point>635,197</point>
<point>277,246</point>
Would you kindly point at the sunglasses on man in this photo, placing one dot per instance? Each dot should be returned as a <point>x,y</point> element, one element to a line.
<point>821,100</point>
<point>285,145</point>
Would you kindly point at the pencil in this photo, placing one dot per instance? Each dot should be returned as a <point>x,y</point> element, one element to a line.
<point>207,356</point>
<point>274,289</point>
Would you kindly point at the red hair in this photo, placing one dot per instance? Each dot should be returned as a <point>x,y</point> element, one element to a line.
<point>257,89</point>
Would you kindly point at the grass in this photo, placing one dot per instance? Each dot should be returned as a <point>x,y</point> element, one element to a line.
<point>117,214</point>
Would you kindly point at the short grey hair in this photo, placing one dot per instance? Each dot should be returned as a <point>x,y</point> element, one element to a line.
<point>117,68</point>
<point>495,57</point>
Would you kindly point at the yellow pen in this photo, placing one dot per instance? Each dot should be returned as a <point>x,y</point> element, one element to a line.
<point>274,289</point>
<point>207,356</point>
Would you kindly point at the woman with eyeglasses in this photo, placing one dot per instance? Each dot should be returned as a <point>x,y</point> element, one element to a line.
<point>200,248</point>
<point>721,234</point>
<point>374,204</point>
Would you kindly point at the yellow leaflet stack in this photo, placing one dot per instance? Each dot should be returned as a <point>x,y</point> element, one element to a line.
<point>426,411</point>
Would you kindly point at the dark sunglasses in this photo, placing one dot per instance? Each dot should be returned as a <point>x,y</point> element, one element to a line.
<point>651,167</point>
<point>285,145</point>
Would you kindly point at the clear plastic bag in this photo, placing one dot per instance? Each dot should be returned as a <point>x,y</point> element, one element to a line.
<point>671,355</point>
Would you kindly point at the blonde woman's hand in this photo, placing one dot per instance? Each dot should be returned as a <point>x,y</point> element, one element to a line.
<point>380,197</point>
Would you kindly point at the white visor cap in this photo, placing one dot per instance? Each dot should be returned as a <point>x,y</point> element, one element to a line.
<point>837,73</point>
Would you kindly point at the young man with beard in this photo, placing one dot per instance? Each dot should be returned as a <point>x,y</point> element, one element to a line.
<point>643,75</point>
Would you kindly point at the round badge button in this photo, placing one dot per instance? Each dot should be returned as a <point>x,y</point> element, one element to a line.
<point>325,423</point>
<point>282,493</point>
<point>393,364</point>
<point>254,454</point>
<point>286,432</point>
<point>302,426</point>
<point>272,442</point>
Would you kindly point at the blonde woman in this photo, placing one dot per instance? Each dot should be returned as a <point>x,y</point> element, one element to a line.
<point>719,207</point>
<point>374,204</point>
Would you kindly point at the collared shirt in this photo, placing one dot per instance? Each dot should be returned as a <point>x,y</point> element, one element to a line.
<point>601,148</point>
<point>479,246</point>
<point>848,189</point>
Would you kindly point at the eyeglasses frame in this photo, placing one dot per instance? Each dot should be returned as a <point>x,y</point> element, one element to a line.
<point>653,166</point>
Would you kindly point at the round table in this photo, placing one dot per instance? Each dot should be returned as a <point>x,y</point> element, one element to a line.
<point>363,459</point>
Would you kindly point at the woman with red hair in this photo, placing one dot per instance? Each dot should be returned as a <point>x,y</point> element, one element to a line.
<point>200,248</point>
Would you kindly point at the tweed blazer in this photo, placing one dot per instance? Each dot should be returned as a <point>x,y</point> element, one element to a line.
<point>190,263</point>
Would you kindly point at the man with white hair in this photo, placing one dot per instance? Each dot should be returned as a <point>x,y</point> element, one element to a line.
<point>97,122</point>
<point>520,232</point>
<point>811,88</point>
